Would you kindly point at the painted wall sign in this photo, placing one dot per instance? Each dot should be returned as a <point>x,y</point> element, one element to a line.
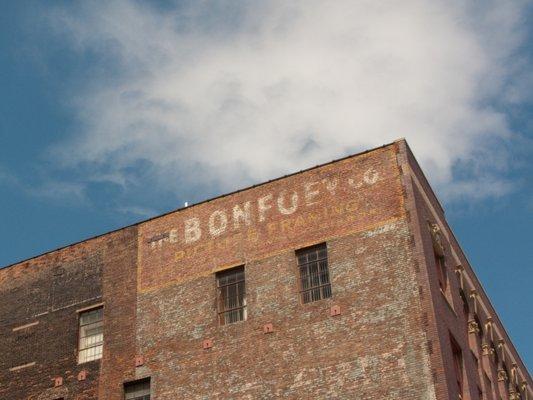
<point>328,201</point>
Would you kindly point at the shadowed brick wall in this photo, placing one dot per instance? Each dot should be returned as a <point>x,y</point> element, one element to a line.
<point>39,323</point>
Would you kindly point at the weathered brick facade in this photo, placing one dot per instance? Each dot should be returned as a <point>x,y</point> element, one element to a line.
<point>156,280</point>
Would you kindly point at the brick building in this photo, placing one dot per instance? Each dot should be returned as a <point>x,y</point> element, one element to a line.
<point>343,281</point>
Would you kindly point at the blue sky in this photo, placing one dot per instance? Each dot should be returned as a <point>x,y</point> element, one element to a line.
<point>114,112</point>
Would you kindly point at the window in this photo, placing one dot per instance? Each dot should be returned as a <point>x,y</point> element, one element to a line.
<point>480,327</point>
<point>314,274</point>
<point>138,390</point>
<point>438,253</point>
<point>458,365</point>
<point>441,272</point>
<point>231,296</point>
<point>466,307</point>
<point>91,335</point>
<point>496,358</point>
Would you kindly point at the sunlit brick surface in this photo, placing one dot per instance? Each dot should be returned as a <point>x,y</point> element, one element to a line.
<point>360,318</point>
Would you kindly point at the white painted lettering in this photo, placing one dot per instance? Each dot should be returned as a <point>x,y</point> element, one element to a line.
<point>263,206</point>
<point>173,236</point>
<point>281,203</point>
<point>242,214</point>
<point>192,230</point>
<point>331,184</point>
<point>354,184</point>
<point>218,221</point>
<point>371,176</point>
<point>310,194</point>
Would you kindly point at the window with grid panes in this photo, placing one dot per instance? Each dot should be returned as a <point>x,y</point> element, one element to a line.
<point>314,273</point>
<point>138,390</point>
<point>91,335</point>
<point>231,289</point>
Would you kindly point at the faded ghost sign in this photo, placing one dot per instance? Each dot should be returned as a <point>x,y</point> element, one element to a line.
<point>297,210</point>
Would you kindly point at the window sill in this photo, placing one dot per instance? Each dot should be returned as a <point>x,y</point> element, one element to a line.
<point>315,302</point>
<point>90,361</point>
<point>233,324</point>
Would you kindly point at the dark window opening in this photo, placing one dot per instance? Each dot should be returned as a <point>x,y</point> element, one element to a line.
<point>314,274</point>
<point>495,352</point>
<point>466,307</point>
<point>480,327</point>
<point>231,295</point>
<point>441,272</point>
<point>458,365</point>
<point>138,390</point>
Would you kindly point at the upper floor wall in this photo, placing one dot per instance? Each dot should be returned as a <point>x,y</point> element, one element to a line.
<point>335,199</point>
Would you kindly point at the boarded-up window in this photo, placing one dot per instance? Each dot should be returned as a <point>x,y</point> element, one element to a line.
<point>91,335</point>
<point>138,390</point>
<point>231,289</point>
<point>314,275</point>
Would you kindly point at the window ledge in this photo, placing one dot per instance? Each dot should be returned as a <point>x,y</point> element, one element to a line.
<point>90,361</point>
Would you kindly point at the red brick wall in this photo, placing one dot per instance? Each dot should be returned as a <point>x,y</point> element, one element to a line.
<point>444,313</point>
<point>378,337</point>
<point>119,295</point>
<point>329,201</point>
<point>157,282</point>
<point>46,292</point>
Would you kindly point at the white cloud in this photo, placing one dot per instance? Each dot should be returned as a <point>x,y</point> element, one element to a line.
<point>48,189</point>
<point>137,211</point>
<point>228,94</point>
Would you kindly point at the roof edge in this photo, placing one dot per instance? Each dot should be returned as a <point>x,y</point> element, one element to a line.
<point>202,202</point>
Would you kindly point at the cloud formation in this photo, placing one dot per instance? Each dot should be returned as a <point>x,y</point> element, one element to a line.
<point>224,94</point>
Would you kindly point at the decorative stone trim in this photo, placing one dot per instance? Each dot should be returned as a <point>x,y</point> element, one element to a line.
<point>514,373</point>
<point>18,328</point>
<point>502,375</point>
<point>473,327</point>
<point>436,238</point>
<point>494,345</point>
<point>22,366</point>
<point>523,387</point>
